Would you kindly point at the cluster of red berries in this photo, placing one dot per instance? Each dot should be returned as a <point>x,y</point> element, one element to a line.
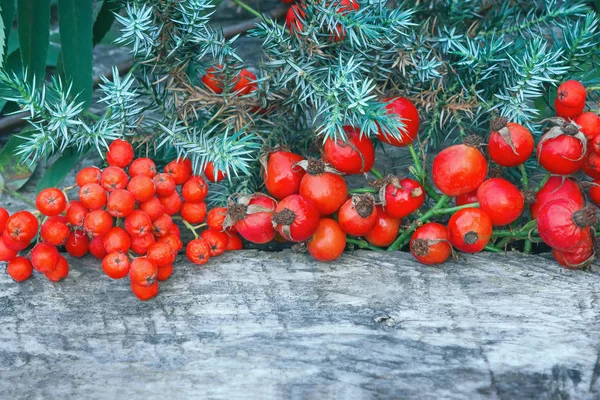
<point>124,217</point>
<point>296,14</point>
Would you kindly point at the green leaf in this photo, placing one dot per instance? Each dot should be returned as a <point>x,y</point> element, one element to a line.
<point>2,38</point>
<point>59,169</point>
<point>33,19</point>
<point>7,13</point>
<point>105,19</point>
<point>75,20</point>
<point>13,173</point>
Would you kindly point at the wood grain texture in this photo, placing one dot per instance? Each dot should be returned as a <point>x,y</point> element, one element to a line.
<point>278,325</point>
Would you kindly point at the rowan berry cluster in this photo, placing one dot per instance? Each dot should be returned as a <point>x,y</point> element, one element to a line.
<point>124,217</point>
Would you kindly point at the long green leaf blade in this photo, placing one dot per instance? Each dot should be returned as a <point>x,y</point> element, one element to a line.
<point>33,18</point>
<point>7,13</point>
<point>105,19</point>
<point>75,20</point>
<point>2,38</point>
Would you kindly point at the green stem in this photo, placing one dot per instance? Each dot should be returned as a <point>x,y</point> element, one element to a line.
<point>492,249</point>
<point>452,210</point>
<point>527,247</point>
<point>362,244</point>
<point>248,8</point>
<point>362,190</point>
<point>401,241</point>
<point>415,158</point>
<point>543,182</point>
<point>375,172</point>
<point>421,174</point>
<point>191,228</point>
<point>524,179</point>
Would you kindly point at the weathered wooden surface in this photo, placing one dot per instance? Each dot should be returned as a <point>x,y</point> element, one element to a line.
<point>278,325</point>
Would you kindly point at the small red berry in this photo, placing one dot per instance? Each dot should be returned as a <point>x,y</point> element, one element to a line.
<point>194,190</point>
<point>572,94</point>
<point>60,272</point>
<point>589,123</point>
<point>44,257</point>
<point>234,242</point>
<point>216,240</point>
<point>142,187</point>
<point>20,269</point>
<point>153,208</point>
<point>51,202</point>
<point>7,254</point>
<point>161,254</point>
<point>171,204</point>
<point>141,244</point>
<point>180,170</point>
<point>142,166</point>
<point>245,83</point>
<point>143,272</point>
<point>20,229</point>
<point>173,241</point>
<point>138,223</point>
<point>162,225</point>
<point>93,196</point>
<point>165,184</point>
<point>120,153</point>
<point>116,265</point>
<point>55,231</point>
<point>77,243</point>
<point>144,293</point>
<point>88,175</point>
<point>213,175</point>
<point>120,203</point>
<point>194,213</point>
<point>114,178</point>
<point>76,213</point>
<point>198,251</point>
<point>3,218</point>
<point>97,223</point>
<point>216,217</point>
<point>96,248</point>
<point>117,240</point>
<point>165,272</point>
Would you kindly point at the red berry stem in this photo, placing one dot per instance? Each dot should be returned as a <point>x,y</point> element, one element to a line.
<point>363,244</point>
<point>363,190</point>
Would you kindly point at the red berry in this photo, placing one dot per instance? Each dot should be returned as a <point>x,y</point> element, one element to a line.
<point>20,229</point>
<point>173,241</point>
<point>355,156</point>
<point>44,257</point>
<point>245,83</point>
<point>213,175</point>
<point>3,218</point>
<point>296,218</point>
<point>138,223</point>
<point>162,225</point>
<point>571,94</point>
<point>216,217</point>
<point>459,169</point>
<point>77,243</point>
<point>358,215</point>
<point>561,155</point>
<point>143,272</point>
<point>114,178</point>
<point>96,248</point>
<point>142,166</point>
<point>402,197</point>
<point>327,190</point>
<point>93,196</point>
<point>406,111</point>
<point>19,268</point>
<point>142,187</point>
<point>171,204</point>
<point>501,201</point>
<point>76,213</point>
<point>234,242</point>
<point>328,242</point>
<point>580,257</point>
<point>120,153</point>
<point>161,254</point>
<point>251,218</point>
<point>511,145</point>
<point>141,244</point>
<point>60,272</point>
<point>594,144</point>
<point>180,170</point>
<point>165,272</point>
<point>216,240</point>
<point>467,198</point>
<point>198,251</point>
<point>470,230</point>
<point>293,19</point>
<point>213,79</point>
<point>165,184</point>
<point>566,112</point>
<point>385,230</point>
<point>430,244</point>
<point>88,175</point>
<point>51,202</point>
<point>117,241</point>
<point>591,165</point>
<point>194,213</point>
<point>153,208</point>
<point>589,123</point>
<point>144,293</point>
<point>281,175</point>
<point>7,254</point>
<point>116,265</point>
<point>55,231</point>
<point>97,223</point>
<point>120,203</point>
<point>564,225</point>
<point>557,187</point>
<point>194,190</point>
<point>175,230</point>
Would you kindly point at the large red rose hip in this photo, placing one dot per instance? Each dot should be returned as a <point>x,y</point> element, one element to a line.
<point>296,218</point>
<point>402,197</point>
<point>430,245</point>
<point>281,174</point>
<point>510,144</point>
<point>251,217</point>
<point>502,201</point>
<point>459,169</point>
<point>564,224</point>
<point>358,215</point>
<point>324,186</point>
<point>557,187</point>
<point>561,151</point>
<point>408,114</point>
<point>470,230</point>
<point>355,156</point>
